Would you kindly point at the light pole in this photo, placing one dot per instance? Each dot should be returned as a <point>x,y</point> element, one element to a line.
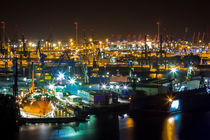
<point>173,71</point>
<point>76,28</point>
<point>3,33</point>
<point>158,35</point>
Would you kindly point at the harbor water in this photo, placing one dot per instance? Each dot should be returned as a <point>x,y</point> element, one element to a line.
<point>183,126</point>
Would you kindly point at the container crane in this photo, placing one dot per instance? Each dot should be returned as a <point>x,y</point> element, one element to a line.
<point>42,59</point>
<point>62,59</point>
<point>84,70</point>
<point>41,55</point>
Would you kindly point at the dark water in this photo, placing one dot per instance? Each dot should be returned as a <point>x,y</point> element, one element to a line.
<point>186,126</point>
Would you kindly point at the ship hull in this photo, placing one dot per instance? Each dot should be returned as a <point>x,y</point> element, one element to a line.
<point>38,108</point>
<point>188,101</point>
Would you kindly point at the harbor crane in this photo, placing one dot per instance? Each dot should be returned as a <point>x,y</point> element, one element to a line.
<point>64,58</point>
<point>41,55</point>
<point>84,70</point>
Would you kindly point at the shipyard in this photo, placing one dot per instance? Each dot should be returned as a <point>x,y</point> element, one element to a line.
<point>99,72</point>
<point>57,79</point>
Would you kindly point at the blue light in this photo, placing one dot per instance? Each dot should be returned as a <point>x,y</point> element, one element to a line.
<point>175,105</point>
<point>61,76</point>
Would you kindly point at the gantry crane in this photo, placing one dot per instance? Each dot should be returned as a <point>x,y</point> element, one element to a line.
<point>84,70</point>
<point>62,59</point>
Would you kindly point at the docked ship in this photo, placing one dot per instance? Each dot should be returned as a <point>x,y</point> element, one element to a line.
<point>37,103</point>
<point>185,101</point>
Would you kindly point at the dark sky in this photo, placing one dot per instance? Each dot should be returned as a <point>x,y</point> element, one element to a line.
<point>36,18</point>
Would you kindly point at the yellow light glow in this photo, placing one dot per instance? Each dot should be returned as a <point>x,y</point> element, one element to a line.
<point>70,40</point>
<point>169,129</point>
<point>90,39</point>
<point>130,122</point>
<point>30,44</point>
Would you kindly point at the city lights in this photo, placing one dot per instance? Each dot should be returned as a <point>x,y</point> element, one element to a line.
<point>61,76</point>
<point>51,86</point>
<point>103,86</point>
<point>125,87</point>
<point>117,86</point>
<point>70,40</point>
<point>173,70</point>
<point>24,79</point>
<point>90,39</point>
<point>54,44</point>
<point>111,86</point>
<point>105,70</point>
<point>59,43</point>
<point>72,81</point>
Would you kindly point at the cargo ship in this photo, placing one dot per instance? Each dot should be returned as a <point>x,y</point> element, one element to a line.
<point>37,103</point>
<point>185,101</point>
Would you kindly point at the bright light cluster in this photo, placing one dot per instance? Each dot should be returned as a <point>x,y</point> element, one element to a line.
<point>125,87</point>
<point>104,86</point>
<point>111,86</point>
<point>51,86</point>
<point>173,69</point>
<point>175,104</point>
<point>61,76</point>
<point>72,81</point>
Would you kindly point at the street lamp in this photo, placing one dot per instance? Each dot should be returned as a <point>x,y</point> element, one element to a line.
<point>90,39</point>
<point>59,44</point>
<point>125,87</point>
<point>5,90</point>
<point>54,44</point>
<point>103,86</point>
<point>173,70</point>
<point>72,81</point>
<point>61,76</point>
<point>70,40</point>
<point>51,86</point>
<point>24,79</point>
<point>30,44</point>
<point>117,86</point>
<point>170,100</point>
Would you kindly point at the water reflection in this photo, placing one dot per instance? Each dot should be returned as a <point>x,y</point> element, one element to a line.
<point>170,127</point>
<point>111,126</point>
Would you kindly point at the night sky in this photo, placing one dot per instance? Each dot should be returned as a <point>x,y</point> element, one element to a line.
<point>38,18</point>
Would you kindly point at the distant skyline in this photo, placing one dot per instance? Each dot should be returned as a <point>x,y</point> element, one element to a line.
<point>37,18</point>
